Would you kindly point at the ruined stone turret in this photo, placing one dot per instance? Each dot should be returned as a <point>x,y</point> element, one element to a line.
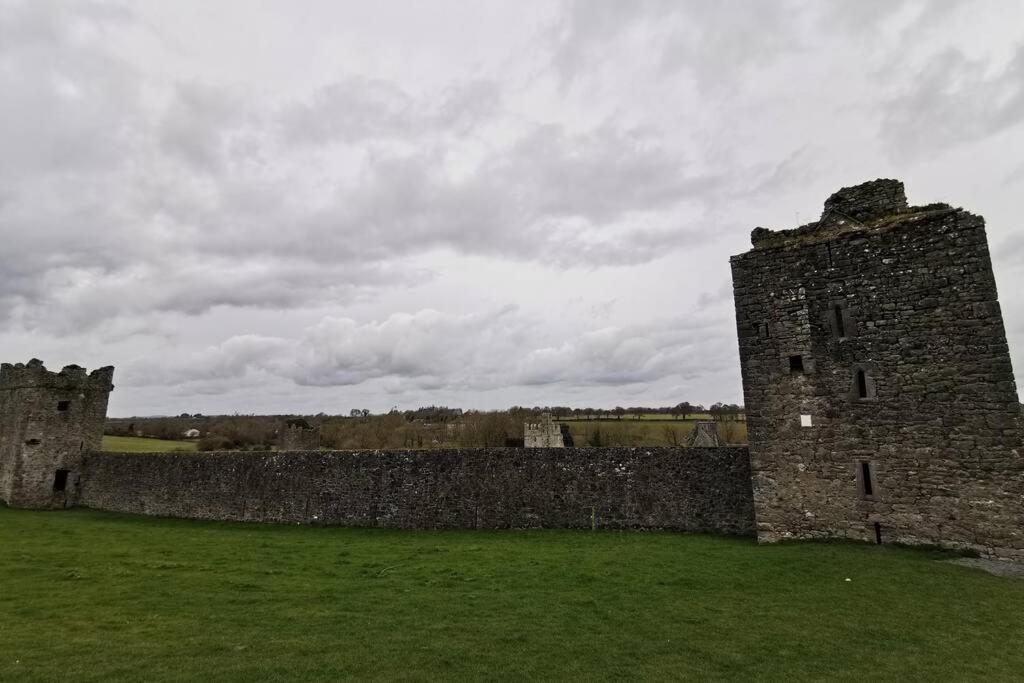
<point>546,434</point>
<point>48,420</point>
<point>299,435</point>
<point>704,435</point>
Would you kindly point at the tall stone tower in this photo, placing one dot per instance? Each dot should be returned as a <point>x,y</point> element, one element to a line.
<point>880,397</point>
<point>48,420</point>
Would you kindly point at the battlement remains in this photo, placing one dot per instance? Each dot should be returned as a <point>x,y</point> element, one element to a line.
<point>875,206</point>
<point>35,375</point>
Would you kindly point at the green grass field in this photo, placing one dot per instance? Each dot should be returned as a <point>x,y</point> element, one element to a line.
<point>88,596</point>
<point>137,444</point>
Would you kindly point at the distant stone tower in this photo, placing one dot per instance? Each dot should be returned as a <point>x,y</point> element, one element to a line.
<point>880,398</point>
<point>704,435</point>
<point>546,434</point>
<point>299,435</point>
<point>48,420</point>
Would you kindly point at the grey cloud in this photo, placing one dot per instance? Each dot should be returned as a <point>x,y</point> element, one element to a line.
<point>206,202</point>
<point>198,123</point>
<point>359,109</point>
<point>715,42</point>
<point>1014,176</point>
<point>954,100</point>
<point>627,355</point>
<point>70,114</point>
<point>431,350</point>
<point>418,349</point>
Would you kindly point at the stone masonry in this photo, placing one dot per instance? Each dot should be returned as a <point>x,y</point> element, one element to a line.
<point>545,434</point>
<point>682,489</point>
<point>881,402</point>
<point>299,435</point>
<point>48,421</point>
<point>704,435</point>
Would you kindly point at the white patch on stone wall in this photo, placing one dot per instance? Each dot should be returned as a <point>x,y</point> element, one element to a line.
<point>805,421</point>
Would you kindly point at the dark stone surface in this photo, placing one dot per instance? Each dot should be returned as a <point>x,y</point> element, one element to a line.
<point>688,489</point>
<point>48,420</point>
<point>299,435</point>
<point>909,298</point>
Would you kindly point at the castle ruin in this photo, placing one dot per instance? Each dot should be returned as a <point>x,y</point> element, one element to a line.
<point>880,397</point>
<point>546,434</point>
<point>298,435</point>
<point>48,422</point>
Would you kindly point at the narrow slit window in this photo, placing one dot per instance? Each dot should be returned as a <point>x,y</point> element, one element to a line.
<point>796,364</point>
<point>862,384</point>
<point>840,321</point>
<point>865,475</point>
<point>63,406</point>
<point>60,480</point>
<point>767,331</point>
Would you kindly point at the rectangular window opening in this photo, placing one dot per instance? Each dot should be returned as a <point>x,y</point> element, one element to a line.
<point>63,405</point>
<point>865,475</point>
<point>60,480</point>
<point>840,321</point>
<point>796,363</point>
<point>32,442</point>
<point>862,384</point>
<point>878,533</point>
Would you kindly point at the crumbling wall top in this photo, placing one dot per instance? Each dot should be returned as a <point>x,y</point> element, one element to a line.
<point>35,374</point>
<point>867,201</point>
<point>875,205</point>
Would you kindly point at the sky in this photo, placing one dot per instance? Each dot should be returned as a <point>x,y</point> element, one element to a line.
<point>303,207</point>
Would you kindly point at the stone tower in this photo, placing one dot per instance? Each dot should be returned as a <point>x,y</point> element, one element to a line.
<point>546,434</point>
<point>299,435</point>
<point>48,420</point>
<point>880,397</point>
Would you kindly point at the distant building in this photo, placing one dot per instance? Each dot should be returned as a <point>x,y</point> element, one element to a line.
<point>704,435</point>
<point>299,435</point>
<point>546,434</point>
<point>192,434</point>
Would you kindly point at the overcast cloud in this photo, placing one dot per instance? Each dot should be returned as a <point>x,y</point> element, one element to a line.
<point>318,206</point>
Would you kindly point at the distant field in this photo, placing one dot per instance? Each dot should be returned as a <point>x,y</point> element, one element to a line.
<point>94,597</point>
<point>136,444</point>
<point>694,417</point>
<point>646,432</point>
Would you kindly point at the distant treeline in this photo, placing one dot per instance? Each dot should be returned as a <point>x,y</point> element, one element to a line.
<point>427,427</point>
<point>682,411</point>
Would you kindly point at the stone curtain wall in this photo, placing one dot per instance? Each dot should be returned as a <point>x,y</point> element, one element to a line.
<point>696,489</point>
<point>925,443</point>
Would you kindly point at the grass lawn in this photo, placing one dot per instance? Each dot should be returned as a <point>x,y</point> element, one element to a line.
<point>88,596</point>
<point>137,444</point>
